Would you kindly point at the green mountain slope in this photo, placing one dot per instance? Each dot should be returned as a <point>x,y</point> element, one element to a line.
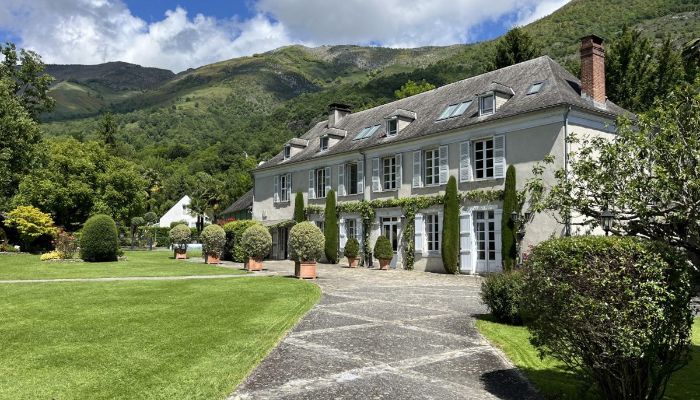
<point>207,119</point>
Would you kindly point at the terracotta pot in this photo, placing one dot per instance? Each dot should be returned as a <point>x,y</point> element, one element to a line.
<point>384,264</point>
<point>180,254</point>
<point>254,264</point>
<point>212,259</point>
<point>305,270</point>
<point>352,262</point>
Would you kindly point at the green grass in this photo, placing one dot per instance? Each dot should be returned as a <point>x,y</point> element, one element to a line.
<point>551,378</point>
<point>188,339</point>
<point>138,263</point>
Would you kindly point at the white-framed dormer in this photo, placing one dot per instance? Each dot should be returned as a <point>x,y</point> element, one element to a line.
<point>287,152</point>
<point>493,98</point>
<point>323,143</point>
<point>293,147</point>
<point>487,103</point>
<point>397,121</point>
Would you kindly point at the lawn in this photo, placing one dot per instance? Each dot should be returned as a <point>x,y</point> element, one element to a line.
<point>138,263</point>
<point>554,382</point>
<point>186,339</point>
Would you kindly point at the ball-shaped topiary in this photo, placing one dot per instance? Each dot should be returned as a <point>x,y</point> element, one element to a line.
<point>213,240</point>
<point>307,242</point>
<point>180,236</point>
<point>383,249</point>
<point>99,240</point>
<point>352,248</point>
<point>257,241</point>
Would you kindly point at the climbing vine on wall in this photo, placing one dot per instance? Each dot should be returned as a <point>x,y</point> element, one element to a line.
<point>409,206</point>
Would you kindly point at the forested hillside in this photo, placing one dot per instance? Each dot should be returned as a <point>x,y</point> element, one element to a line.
<point>222,118</point>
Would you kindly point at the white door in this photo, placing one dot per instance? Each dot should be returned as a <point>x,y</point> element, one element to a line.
<point>390,229</point>
<point>465,243</point>
<point>486,239</point>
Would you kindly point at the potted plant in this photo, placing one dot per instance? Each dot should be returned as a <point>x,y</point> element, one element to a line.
<point>180,238</point>
<point>257,242</point>
<point>352,249</point>
<point>307,243</point>
<point>213,240</point>
<point>383,252</point>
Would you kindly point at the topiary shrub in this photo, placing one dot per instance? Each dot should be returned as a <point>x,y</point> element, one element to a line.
<point>330,228</point>
<point>180,236</point>
<point>383,249</point>
<point>502,294</point>
<point>213,240</point>
<point>617,308</point>
<point>352,248</point>
<point>234,250</point>
<point>509,251</point>
<point>257,241</point>
<point>99,240</point>
<point>306,242</point>
<point>176,223</point>
<point>450,228</point>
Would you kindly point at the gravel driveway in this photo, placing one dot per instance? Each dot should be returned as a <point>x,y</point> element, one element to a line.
<point>386,335</point>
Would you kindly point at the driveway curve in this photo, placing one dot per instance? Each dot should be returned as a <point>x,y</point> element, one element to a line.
<point>386,335</point>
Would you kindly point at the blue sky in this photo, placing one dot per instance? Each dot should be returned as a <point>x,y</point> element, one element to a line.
<point>187,33</point>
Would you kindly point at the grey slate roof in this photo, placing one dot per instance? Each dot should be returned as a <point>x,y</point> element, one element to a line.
<point>560,88</point>
<point>243,203</point>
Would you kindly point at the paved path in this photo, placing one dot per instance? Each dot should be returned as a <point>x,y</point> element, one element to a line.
<point>386,335</point>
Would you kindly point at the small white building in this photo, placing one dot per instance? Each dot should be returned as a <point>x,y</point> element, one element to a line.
<point>179,212</point>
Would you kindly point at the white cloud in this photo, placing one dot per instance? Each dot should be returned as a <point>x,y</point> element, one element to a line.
<point>95,31</point>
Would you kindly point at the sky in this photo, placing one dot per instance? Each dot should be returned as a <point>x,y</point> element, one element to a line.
<point>182,34</point>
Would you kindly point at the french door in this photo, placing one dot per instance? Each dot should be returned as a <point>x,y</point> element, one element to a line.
<point>487,249</point>
<point>390,229</point>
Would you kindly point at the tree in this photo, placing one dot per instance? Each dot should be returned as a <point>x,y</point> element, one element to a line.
<point>206,193</point>
<point>450,228</point>
<point>136,222</point>
<point>515,47</point>
<point>299,215</point>
<point>508,230</point>
<point>668,70</point>
<point>28,83</point>
<point>19,135</point>
<point>330,228</point>
<point>691,59</point>
<point>31,223</point>
<point>108,130</point>
<point>411,88</point>
<point>648,176</point>
<point>73,180</point>
<point>150,218</point>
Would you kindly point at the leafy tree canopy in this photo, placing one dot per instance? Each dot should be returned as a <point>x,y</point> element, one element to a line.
<point>515,47</point>
<point>30,222</point>
<point>411,88</point>
<point>28,82</point>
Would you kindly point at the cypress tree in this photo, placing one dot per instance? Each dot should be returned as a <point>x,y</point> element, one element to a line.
<point>330,229</point>
<point>515,47</point>
<point>299,215</point>
<point>450,228</point>
<point>508,240</point>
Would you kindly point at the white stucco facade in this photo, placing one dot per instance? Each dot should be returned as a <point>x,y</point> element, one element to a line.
<point>178,212</point>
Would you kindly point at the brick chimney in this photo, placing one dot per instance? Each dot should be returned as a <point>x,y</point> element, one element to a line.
<point>337,112</point>
<point>593,69</point>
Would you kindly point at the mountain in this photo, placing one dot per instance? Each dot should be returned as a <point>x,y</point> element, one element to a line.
<point>82,90</point>
<point>206,119</point>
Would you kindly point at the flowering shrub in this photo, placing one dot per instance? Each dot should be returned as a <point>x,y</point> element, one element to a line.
<point>213,240</point>
<point>257,241</point>
<point>307,241</point>
<point>66,244</point>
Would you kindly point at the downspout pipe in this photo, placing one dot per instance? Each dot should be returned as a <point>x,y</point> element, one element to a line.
<point>567,218</point>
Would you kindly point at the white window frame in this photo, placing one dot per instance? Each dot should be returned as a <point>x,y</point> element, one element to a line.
<point>321,140</point>
<point>483,101</point>
<point>350,189</point>
<point>287,152</point>
<point>392,175</point>
<point>392,132</point>
<point>320,184</point>
<point>432,177</point>
<point>433,229</point>
<point>483,153</point>
<point>284,188</point>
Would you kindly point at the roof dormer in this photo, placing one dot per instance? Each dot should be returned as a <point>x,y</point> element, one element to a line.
<point>293,147</point>
<point>330,138</point>
<point>398,120</point>
<point>493,98</point>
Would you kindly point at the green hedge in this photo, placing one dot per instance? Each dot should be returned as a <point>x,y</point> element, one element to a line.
<point>99,240</point>
<point>502,294</point>
<point>234,251</point>
<point>616,307</point>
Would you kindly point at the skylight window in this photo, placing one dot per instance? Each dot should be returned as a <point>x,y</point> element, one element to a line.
<point>367,132</point>
<point>535,88</point>
<point>455,110</point>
